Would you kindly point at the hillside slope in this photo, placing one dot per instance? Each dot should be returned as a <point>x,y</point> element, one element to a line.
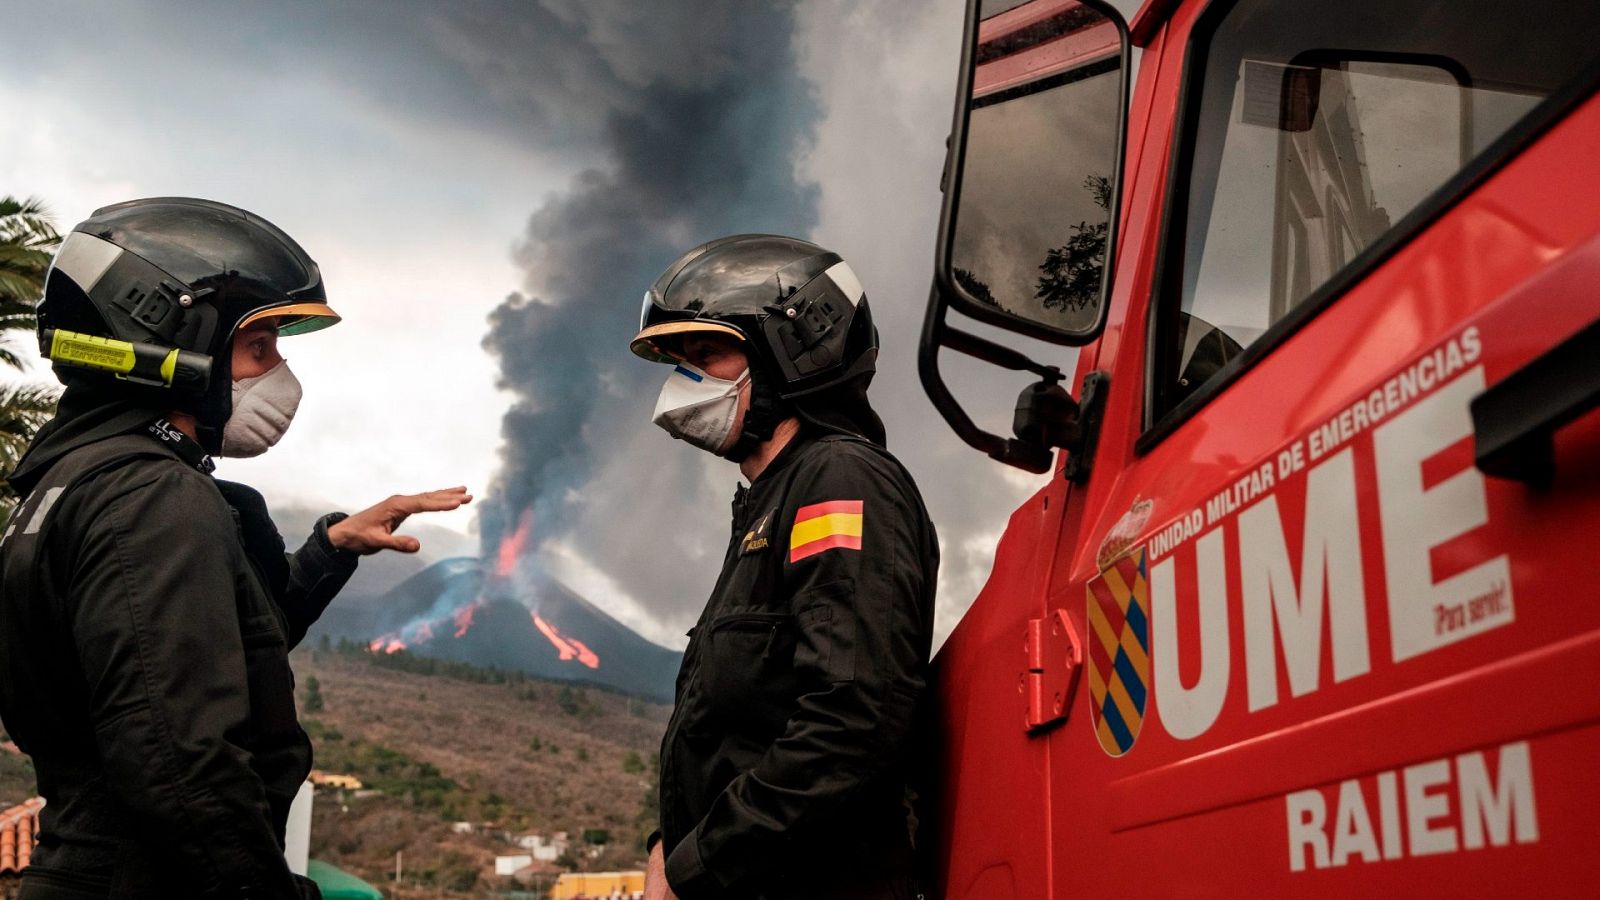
<point>525,755</point>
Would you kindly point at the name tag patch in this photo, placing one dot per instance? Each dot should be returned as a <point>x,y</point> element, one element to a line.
<point>758,538</point>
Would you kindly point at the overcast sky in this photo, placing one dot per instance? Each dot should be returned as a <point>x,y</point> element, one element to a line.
<point>489,188</point>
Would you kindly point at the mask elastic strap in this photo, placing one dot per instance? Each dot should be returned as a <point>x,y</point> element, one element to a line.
<point>766,410</point>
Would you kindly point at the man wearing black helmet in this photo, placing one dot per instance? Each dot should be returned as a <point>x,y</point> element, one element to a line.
<point>784,769</point>
<point>147,609</point>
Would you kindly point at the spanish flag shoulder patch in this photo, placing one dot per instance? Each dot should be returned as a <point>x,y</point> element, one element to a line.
<point>835,524</point>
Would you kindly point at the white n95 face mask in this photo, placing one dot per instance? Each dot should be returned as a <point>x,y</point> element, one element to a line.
<point>263,407</point>
<point>700,409</point>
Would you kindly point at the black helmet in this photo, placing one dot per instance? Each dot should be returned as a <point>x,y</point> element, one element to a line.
<point>799,309</point>
<point>147,294</point>
<point>801,314</point>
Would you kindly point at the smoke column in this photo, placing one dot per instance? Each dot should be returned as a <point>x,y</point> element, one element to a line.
<point>704,143</point>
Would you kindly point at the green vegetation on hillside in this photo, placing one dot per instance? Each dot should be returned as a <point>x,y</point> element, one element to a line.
<point>388,770</point>
<point>313,702</point>
<point>443,743</point>
<point>405,661</point>
<point>574,697</point>
<point>632,764</point>
<point>16,778</point>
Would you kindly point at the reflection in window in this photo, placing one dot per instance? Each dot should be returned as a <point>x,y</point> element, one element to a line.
<point>1319,128</point>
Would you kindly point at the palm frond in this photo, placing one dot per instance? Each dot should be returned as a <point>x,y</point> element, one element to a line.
<point>27,241</point>
<point>26,223</point>
<point>27,399</point>
<point>24,408</point>
<point>23,287</point>
<point>11,206</point>
<point>18,256</point>
<point>19,321</point>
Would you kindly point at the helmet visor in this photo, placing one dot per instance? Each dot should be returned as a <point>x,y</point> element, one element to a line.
<point>654,342</point>
<point>295,318</point>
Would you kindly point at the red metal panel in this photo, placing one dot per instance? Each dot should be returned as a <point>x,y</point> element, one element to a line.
<point>1417,745</point>
<point>993,801</point>
<point>1149,20</point>
<point>1428,712</point>
<point>992,825</point>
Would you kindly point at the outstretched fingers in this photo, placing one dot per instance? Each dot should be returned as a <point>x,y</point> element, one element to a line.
<point>432,501</point>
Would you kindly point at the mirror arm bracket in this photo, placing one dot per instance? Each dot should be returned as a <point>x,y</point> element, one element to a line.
<point>1011,451</point>
<point>996,354</point>
<point>1046,415</point>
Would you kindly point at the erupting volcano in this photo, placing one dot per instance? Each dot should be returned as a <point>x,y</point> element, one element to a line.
<point>502,612</point>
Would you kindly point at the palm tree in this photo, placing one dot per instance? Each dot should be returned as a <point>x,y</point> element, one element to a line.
<point>24,408</point>
<point>27,243</point>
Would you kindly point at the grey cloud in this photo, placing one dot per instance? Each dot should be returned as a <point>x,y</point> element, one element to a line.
<point>886,74</point>
<point>703,143</point>
<point>523,73</point>
<point>876,94</point>
<point>677,122</point>
<point>652,513</point>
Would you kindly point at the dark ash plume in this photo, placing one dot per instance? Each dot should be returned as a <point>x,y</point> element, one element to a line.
<point>703,143</point>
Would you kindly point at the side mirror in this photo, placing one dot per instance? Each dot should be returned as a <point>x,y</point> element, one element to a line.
<point>1032,189</point>
<point>1028,230</point>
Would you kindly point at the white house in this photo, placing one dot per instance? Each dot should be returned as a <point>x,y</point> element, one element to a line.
<point>509,865</point>
<point>544,849</point>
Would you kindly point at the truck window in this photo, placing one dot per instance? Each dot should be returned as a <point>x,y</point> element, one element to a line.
<point>1314,132</point>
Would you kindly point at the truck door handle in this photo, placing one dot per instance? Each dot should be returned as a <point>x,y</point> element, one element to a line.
<point>1513,421</point>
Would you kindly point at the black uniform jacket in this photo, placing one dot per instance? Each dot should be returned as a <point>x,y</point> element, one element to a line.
<point>146,615</point>
<point>784,767</point>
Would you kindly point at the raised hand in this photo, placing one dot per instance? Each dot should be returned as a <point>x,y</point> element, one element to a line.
<point>372,529</point>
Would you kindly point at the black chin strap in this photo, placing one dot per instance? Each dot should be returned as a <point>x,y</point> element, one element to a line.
<point>766,410</point>
<point>187,450</point>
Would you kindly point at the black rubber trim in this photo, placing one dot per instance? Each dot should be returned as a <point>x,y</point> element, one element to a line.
<point>1515,420</point>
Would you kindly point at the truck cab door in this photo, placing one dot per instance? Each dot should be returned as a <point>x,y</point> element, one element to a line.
<point>1029,251</point>
<point>1328,568</point>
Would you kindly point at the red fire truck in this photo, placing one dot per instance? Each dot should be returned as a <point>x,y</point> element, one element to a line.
<point>1306,606</point>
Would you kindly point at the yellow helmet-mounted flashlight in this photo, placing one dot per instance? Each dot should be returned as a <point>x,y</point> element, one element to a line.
<point>139,363</point>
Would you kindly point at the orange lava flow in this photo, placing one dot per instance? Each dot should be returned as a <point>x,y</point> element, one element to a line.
<point>512,545</point>
<point>585,655</point>
<point>569,648</point>
<point>463,617</point>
